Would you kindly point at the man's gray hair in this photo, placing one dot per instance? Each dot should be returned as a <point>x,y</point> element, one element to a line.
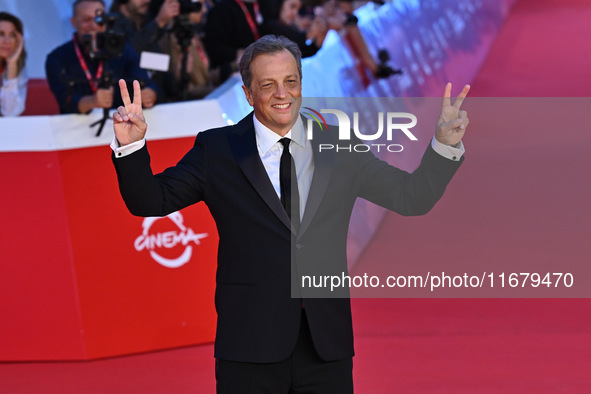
<point>267,45</point>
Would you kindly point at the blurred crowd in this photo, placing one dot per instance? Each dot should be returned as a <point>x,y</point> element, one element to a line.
<point>177,49</point>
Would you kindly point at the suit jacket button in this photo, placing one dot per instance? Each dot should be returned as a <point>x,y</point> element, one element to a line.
<point>299,246</point>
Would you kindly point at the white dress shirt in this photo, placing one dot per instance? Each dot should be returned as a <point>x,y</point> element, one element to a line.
<point>270,150</point>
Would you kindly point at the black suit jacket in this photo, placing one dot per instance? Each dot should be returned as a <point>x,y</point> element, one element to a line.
<point>258,320</point>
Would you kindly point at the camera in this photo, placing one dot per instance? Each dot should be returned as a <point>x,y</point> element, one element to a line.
<point>183,28</point>
<point>105,45</point>
<point>188,6</point>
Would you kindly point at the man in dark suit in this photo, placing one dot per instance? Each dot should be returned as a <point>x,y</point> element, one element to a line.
<point>266,339</point>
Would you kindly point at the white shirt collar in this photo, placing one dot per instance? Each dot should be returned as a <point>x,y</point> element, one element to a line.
<point>266,138</point>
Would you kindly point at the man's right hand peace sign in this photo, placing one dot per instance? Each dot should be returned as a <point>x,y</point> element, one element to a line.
<point>129,122</point>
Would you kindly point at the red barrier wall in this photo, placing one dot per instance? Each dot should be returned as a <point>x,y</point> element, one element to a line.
<point>76,285</point>
<point>40,100</point>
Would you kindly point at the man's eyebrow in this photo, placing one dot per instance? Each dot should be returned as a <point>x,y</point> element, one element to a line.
<point>264,81</point>
<point>271,79</point>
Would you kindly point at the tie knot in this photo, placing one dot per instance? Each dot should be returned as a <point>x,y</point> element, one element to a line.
<point>285,142</point>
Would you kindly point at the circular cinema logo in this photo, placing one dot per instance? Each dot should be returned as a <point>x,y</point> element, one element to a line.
<point>161,242</point>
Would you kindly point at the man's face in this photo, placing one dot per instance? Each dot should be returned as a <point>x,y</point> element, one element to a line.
<point>83,19</point>
<point>276,90</point>
<point>138,7</point>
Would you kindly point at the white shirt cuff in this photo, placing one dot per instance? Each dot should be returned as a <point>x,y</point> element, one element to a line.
<point>126,150</point>
<point>454,153</point>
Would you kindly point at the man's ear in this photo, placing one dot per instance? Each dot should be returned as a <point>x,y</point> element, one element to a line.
<point>248,95</point>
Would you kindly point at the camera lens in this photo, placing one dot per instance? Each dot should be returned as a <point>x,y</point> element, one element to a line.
<point>188,6</point>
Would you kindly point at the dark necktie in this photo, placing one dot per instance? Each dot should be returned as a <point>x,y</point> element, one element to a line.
<point>288,181</point>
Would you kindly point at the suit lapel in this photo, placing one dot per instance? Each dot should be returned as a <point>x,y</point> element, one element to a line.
<point>243,145</point>
<point>323,165</point>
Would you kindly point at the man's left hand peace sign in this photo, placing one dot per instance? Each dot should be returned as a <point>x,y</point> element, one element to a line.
<point>452,122</point>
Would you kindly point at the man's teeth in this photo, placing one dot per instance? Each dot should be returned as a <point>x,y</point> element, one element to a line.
<point>281,106</point>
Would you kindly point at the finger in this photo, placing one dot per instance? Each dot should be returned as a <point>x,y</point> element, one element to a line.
<point>137,93</point>
<point>136,120</point>
<point>457,124</point>
<point>120,114</point>
<point>462,96</point>
<point>447,95</point>
<point>124,92</point>
<point>464,119</point>
<point>453,125</point>
<point>466,123</point>
<point>123,114</point>
<point>463,115</point>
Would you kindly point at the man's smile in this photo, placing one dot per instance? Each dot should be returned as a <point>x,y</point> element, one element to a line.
<point>281,106</point>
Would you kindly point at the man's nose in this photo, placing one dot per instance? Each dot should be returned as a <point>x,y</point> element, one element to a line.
<point>280,91</point>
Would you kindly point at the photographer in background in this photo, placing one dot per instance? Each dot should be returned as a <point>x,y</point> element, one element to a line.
<point>280,19</point>
<point>141,30</point>
<point>189,76</point>
<point>81,72</point>
<point>13,78</point>
<point>231,26</point>
<point>339,16</point>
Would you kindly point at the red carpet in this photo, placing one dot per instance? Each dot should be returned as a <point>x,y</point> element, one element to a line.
<point>522,196</point>
<point>450,345</point>
<point>542,51</point>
